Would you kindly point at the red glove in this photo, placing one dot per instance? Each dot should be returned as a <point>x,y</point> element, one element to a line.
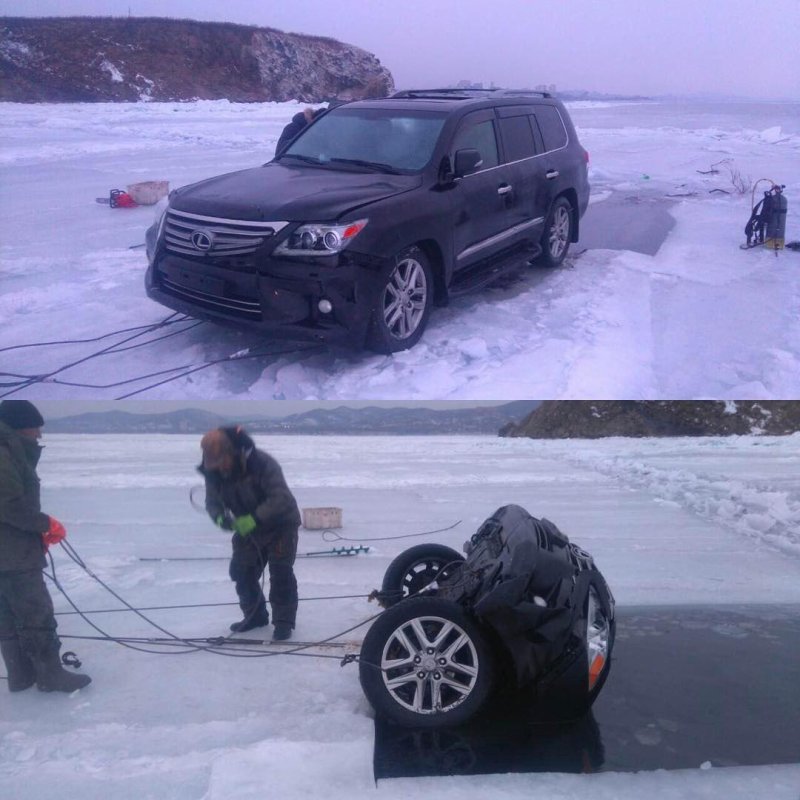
<point>55,533</point>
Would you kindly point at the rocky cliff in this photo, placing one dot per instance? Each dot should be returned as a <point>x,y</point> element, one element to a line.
<point>91,59</point>
<point>564,419</point>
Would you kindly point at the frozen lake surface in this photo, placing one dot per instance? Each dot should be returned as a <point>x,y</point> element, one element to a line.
<point>692,317</point>
<point>670,522</point>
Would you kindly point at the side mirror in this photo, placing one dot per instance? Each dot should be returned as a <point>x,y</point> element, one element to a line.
<point>466,161</point>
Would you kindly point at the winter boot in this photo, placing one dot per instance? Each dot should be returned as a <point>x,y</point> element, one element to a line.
<point>256,619</point>
<point>52,677</point>
<point>282,632</point>
<point>21,674</point>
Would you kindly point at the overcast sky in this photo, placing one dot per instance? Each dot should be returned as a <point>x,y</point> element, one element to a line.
<point>731,47</point>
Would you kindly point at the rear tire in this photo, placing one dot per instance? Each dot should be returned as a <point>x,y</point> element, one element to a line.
<point>557,234</point>
<point>425,664</point>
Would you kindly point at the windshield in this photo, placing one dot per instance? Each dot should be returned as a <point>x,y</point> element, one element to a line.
<point>359,138</point>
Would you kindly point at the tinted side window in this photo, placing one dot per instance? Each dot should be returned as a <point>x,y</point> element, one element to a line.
<point>553,131</point>
<point>478,136</point>
<point>517,138</point>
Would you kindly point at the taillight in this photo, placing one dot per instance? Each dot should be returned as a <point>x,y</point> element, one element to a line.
<point>586,156</point>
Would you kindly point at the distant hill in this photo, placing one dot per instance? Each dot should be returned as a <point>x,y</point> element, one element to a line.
<point>346,421</point>
<point>565,419</point>
<point>105,59</point>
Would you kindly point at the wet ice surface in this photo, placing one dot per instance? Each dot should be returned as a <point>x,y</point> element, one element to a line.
<point>630,318</point>
<point>202,726</point>
<point>689,685</point>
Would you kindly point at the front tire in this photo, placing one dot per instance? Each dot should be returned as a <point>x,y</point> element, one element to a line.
<point>557,234</point>
<point>403,305</point>
<point>425,664</point>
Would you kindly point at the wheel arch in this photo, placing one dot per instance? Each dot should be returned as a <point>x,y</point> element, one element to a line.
<point>433,251</point>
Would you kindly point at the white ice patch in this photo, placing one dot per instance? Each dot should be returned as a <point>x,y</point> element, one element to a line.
<point>772,135</point>
<point>114,73</point>
<point>18,53</point>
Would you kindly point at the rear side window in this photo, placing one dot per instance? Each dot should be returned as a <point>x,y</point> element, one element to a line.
<point>478,136</point>
<point>553,131</point>
<point>517,137</point>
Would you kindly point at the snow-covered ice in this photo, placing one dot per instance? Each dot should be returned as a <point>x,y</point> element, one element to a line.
<point>669,521</point>
<point>700,318</point>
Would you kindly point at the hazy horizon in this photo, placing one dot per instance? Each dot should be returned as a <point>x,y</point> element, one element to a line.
<point>55,409</point>
<point>675,47</point>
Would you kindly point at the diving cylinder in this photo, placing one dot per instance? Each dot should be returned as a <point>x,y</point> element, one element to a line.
<point>776,224</point>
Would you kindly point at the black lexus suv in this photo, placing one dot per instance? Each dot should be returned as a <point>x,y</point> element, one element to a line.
<point>377,211</point>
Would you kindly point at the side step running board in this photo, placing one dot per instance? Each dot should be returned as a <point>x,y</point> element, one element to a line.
<point>478,277</point>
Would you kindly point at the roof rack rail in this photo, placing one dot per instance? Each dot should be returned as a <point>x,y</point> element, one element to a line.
<point>458,94</point>
<point>466,93</point>
<point>516,92</point>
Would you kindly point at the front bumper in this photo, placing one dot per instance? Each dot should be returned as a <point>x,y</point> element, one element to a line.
<point>277,297</point>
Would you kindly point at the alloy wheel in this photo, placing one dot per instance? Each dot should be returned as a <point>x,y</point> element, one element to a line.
<point>559,232</point>
<point>404,298</point>
<point>429,665</point>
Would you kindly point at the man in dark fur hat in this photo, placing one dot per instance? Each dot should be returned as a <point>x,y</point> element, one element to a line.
<point>28,638</point>
<point>246,493</point>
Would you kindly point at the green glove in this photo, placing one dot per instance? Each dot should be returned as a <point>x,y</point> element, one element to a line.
<point>245,525</point>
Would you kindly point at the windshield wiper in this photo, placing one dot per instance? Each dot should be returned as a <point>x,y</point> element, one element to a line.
<point>378,165</point>
<point>307,159</point>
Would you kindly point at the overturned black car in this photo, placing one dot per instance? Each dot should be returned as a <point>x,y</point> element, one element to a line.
<point>526,608</point>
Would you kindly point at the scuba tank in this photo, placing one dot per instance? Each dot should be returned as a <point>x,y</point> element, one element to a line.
<point>776,222</point>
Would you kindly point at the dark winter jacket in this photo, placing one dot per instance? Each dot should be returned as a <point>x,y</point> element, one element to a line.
<point>290,131</point>
<point>21,520</point>
<point>256,487</point>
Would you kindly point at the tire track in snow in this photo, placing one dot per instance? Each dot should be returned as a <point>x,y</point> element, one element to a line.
<point>761,512</point>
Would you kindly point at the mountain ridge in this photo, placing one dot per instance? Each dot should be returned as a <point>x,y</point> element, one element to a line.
<point>595,419</point>
<point>125,59</point>
<point>342,420</point>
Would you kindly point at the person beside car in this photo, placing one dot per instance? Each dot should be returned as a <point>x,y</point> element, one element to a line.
<point>299,122</point>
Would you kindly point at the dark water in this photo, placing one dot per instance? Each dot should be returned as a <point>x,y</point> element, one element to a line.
<point>688,685</point>
<point>733,116</point>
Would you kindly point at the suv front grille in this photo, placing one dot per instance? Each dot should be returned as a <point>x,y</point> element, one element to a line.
<point>215,238</point>
<point>246,308</point>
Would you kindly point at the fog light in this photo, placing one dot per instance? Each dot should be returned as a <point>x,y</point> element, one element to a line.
<point>325,306</point>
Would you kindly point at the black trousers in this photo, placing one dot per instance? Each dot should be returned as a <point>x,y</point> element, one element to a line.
<point>251,557</point>
<point>26,612</point>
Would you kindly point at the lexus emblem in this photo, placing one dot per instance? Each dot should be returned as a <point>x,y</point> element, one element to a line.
<point>202,240</point>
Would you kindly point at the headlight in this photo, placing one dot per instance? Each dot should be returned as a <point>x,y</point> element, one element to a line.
<point>316,239</point>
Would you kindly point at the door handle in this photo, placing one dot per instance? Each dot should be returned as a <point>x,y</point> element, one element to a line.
<point>552,174</point>
<point>504,190</point>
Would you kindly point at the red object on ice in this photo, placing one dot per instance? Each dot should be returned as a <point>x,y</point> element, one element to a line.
<point>119,199</point>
